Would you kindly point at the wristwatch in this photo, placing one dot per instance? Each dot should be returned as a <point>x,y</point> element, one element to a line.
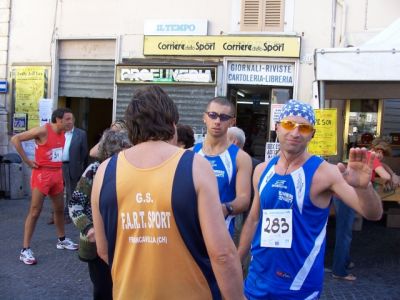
<point>229,208</point>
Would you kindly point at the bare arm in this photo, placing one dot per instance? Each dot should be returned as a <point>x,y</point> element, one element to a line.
<point>381,171</point>
<point>98,225</point>
<point>94,151</point>
<point>395,181</point>
<point>37,133</point>
<point>243,184</point>
<point>353,186</point>
<point>252,220</point>
<point>220,247</point>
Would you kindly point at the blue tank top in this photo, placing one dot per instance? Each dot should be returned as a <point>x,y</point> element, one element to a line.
<point>224,166</point>
<point>295,272</point>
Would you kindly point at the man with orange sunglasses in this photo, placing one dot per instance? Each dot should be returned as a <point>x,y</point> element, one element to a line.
<point>287,222</point>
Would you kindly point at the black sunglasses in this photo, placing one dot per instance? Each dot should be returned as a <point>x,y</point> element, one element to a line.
<point>223,117</point>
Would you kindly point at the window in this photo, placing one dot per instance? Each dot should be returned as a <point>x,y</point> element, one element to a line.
<point>262,15</point>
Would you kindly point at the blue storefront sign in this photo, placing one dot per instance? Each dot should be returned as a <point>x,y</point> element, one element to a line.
<point>3,86</point>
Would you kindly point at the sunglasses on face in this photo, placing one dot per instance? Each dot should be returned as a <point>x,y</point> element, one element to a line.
<point>223,117</point>
<point>291,125</point>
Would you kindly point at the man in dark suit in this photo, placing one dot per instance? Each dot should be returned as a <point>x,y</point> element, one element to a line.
<point>75,157</point>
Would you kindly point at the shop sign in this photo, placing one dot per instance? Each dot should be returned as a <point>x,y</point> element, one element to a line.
<point>175,27</point>
<point>280,74</point>
<point>261,46</point>
<point>166,75</point>
<point>324,142</point>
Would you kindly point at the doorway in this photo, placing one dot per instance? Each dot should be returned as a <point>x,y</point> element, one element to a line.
<point>92,115</point>
<point>253,108</point>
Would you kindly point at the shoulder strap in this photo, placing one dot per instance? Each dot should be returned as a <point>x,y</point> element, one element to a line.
<point>108,205</point>
<point>197,147</point>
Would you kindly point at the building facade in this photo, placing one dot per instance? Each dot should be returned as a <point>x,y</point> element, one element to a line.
<point>90,55</point>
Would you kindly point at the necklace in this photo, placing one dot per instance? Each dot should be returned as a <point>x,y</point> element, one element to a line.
<point>289,163</point>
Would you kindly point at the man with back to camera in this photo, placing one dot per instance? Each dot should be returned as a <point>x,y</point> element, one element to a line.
<point>288,218</point>
<point>231,165</point>
<point>160,225</point>
<point>46,179</point>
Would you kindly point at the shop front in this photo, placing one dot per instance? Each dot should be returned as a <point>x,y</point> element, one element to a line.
<point>85,82</point>
<point>364,84</point>
<point>254,72</point>
<point>256,86</point>
<point>190,84</point>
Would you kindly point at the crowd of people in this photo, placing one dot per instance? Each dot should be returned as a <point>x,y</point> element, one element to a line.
<point>156,211</point>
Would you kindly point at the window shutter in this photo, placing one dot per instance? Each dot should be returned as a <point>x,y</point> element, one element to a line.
<point>273,15</point>
<point>251,19</point>
<point>262,15</point>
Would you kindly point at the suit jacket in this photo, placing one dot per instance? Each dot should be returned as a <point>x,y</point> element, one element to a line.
<point>78,153</point>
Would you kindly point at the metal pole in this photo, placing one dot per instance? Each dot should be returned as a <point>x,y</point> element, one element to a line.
<point>321,86</point>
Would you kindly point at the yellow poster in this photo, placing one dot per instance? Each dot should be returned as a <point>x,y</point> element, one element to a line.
<point>324,142</point>
<point>30,83</point>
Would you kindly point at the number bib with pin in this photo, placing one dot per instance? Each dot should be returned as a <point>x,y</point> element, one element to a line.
<point>276,231</point>
<point>56,154</point>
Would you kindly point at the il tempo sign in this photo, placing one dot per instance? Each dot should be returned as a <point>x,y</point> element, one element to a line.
<point>175,27</point>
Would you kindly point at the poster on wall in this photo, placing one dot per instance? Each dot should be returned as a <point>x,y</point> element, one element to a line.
<point>274,115</point>
<point>45,111</point>
<point>30,85</point>
<point>20,122</point>
<point>324,142</point>
<point>271,150</point>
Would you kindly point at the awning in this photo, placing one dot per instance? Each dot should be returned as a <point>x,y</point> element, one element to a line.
<point>369,71</point>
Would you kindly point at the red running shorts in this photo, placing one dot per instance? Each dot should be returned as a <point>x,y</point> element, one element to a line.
<point>48,181</point>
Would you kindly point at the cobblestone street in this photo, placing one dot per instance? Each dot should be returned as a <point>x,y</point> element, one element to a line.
<point>60,275</point>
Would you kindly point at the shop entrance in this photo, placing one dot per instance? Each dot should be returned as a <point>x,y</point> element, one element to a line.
<point>95,122</point>
<point>253,104</point>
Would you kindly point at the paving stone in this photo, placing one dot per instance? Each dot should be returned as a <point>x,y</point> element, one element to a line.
<point>59,274</point>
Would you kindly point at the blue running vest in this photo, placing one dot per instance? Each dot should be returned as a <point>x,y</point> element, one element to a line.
<point>224,166</point>
<point>296,272</point>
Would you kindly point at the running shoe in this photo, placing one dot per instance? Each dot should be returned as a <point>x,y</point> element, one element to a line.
<point>27,257</point>
<point>67,244</point>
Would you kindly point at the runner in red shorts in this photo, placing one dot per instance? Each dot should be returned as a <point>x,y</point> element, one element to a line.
<point>47,179</point>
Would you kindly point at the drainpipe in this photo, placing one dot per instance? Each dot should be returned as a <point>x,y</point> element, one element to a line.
<point>5,100</point>
<point>343,38</point>
<point>333,25</point>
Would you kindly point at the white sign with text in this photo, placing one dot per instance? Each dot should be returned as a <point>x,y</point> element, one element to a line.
<point>280,74</point>
<point>175,27</point>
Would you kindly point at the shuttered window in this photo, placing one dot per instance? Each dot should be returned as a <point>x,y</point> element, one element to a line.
<point>262,15</point>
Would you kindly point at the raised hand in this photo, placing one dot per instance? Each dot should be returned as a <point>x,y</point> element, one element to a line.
<point>358,171</point>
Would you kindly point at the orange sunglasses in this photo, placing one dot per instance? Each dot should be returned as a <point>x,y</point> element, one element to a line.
<point>291,125</point>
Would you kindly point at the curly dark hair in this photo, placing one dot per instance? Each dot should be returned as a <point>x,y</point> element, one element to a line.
<point>151,115</point>
<point>185,135</point>
<point>112,142</point>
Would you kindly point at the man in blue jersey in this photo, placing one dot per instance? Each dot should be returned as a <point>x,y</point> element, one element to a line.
<point>232,166</point>
<point>286,226</point>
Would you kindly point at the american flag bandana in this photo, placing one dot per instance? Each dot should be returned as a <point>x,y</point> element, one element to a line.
<point>296,108</point>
